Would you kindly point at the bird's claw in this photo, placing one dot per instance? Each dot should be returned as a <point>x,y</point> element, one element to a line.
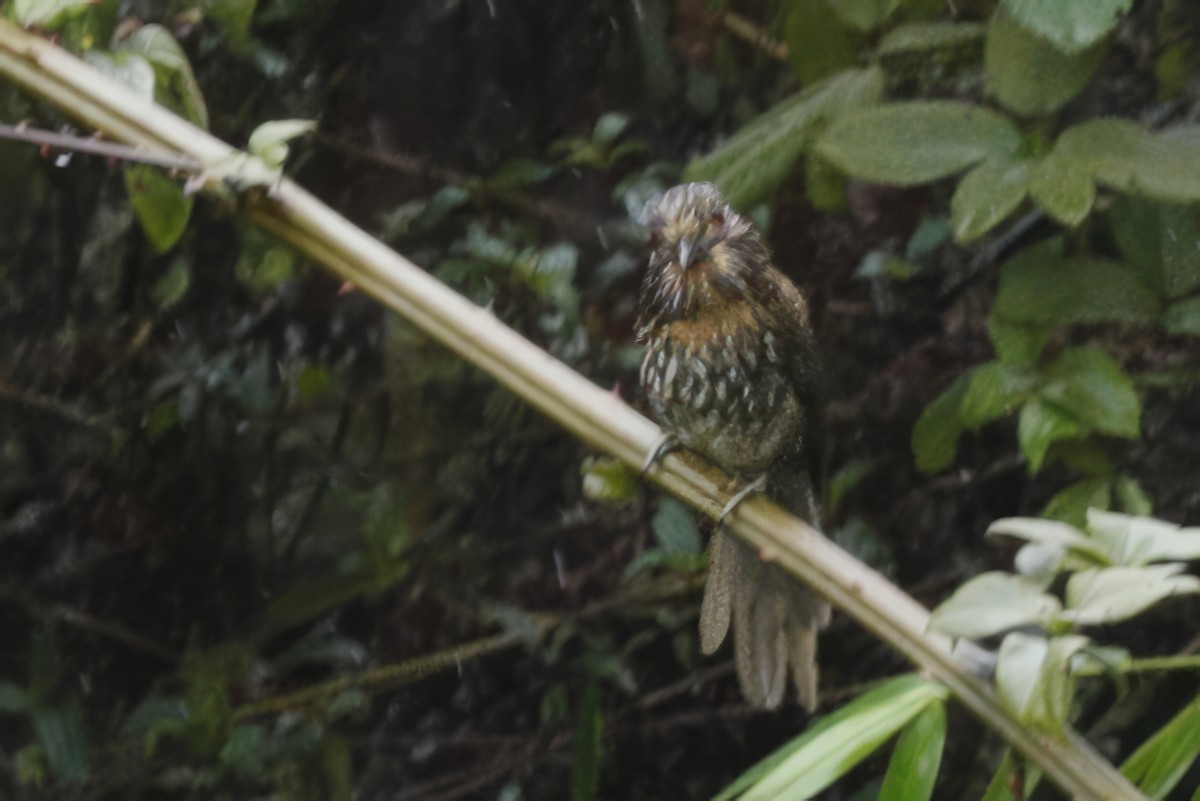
<point>757,485</point>
<point>665,444</point>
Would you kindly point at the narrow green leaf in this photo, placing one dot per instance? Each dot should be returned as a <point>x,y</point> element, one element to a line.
<point>923,37</point>
<point>1112,594</point>
<point>170,288</point>
<point>838,742</point>
<point>916,142</point>
<point>994,390</point>
<point>1063,189</point>
<point>986,195</point>
<point>1070,25</point>
<point>1029,75</point>
<point>159,203</point>
<point>993,603</point>
<point>913,769</point>
<point>1086,383</point>
<point>1132,497</point>
<point>1000,788</point>
<point>935,436</point>
<point>758,157</point>
<point>519,172</point>
<point>61,732</point>
<point>1041,425</point>
<point>587,751</point>
<point>1160,763</point>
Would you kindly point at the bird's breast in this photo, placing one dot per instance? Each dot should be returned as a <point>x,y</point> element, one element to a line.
<point>723,393</point>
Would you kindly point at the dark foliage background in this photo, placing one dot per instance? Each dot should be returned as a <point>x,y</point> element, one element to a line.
<point>227,479</point>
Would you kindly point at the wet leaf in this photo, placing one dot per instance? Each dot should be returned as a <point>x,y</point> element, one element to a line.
<point>1070,25</point>
<point>993,603</point>
<point>916,142</point>
<point>160,204</point>
<point>758,157</point>
<point>1028,74</point>
<point>987,195</point>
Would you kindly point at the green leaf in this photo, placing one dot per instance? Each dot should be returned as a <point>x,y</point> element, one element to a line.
<point>838,742</point>
<point>609,126</point>
<point>14,699</point>
<point>61,732</point>
<point>177,85</point>
<point>234,16</point>
<point>845,479</point>
<point>1164,166</point>
<point>1093,388</point>
<point>49,15</point>
<point>1112,594</point>
<point>986,195</point>
<point>1041,425</point>
<point>1132,497</point>
<point>1070,505</point>
<point>1062,189</point>
<point>674,527</point>
<point>1029,75</point>
<point>519,172</point>
<point>309,598</point>
<point>269,141</point>
<point>587,746</point>
<point>130,69</point>
<point>242,754</point>
<point>863,15</point>
<point>1049,533</point>
<point>159,203</point>
<point>1183,317</point>
<point>1130,540</point>
<point>1070,25</point>
<point>263,271</point>
<point>1017,342</point>
<point>819,44</point>
<point>994,390</point>
<point>173,285</point>
<point>1159,244</point>
<point>1160,763</point>
<point>1012,772</point>
<point>916,142</point>
<point>608,480</point>
<point>922,37</point>
<point>913,769</point>
<point>757,158</point>
<point>1034,680</point>
<point>935,436</point>
<point>993,603</point>
<point>1040,287</point>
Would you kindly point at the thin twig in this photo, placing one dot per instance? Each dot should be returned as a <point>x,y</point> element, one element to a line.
<point>747,31</point>
<point>98,147</point>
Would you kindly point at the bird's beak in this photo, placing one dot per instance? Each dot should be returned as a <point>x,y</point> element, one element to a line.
<point>687,249</point>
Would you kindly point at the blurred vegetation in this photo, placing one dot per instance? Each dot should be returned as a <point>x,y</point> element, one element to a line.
<point>259,538</point>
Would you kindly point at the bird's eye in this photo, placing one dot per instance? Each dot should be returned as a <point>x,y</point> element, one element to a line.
<point>716,222</point>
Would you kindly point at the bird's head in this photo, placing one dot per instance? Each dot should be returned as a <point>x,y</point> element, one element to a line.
<point>704,254</point>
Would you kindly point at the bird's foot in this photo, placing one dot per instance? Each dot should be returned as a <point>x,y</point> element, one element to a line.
<point>757,485</point>
<point>666,443</point>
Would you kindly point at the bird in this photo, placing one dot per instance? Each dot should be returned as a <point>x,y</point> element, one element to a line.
<point>731,371</point>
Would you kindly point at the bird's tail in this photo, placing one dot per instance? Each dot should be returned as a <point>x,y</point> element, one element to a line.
<point>775,618</point>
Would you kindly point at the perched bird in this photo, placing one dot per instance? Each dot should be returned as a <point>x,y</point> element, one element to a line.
<point>731,372</point>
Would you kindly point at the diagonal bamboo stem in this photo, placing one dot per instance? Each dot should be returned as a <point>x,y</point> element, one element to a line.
<point>586,410</point>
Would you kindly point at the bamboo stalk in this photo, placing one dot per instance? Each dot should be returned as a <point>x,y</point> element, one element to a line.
<point>587,411</point>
